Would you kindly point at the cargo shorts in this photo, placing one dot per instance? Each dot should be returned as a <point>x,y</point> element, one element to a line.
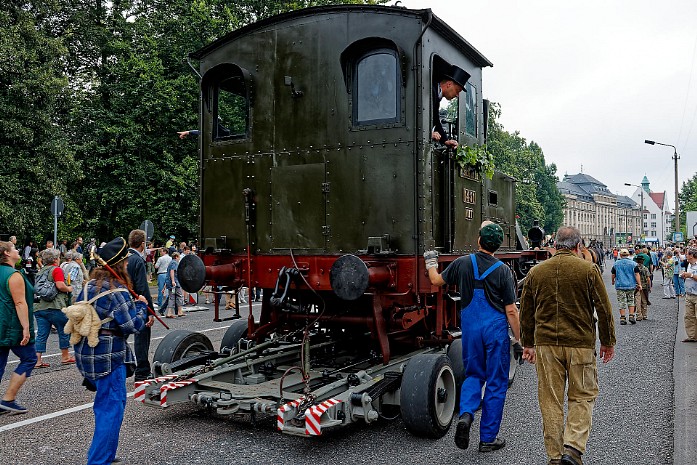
<point>625,297</point>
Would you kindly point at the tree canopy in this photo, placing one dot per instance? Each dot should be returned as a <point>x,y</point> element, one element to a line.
<point>537,195</point>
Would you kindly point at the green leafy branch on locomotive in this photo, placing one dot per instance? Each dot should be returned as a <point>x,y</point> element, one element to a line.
<point>476,156</point>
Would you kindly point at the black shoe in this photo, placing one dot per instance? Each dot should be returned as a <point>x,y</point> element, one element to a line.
<point>496,444</point>
<point>571,456</point>
<point>462,432</point>
<point>569,459</point>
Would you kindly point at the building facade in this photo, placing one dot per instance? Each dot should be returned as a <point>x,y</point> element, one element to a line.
<point>657,218</point>
<point>599,214</point>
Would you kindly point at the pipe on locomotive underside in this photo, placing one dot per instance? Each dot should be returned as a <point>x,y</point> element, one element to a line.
<point>350,277</point>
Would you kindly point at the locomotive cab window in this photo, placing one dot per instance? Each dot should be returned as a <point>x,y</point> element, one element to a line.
<point>376,88</point>
<point>470,100</point>
<point>227,90</point>
<point>374,74</point>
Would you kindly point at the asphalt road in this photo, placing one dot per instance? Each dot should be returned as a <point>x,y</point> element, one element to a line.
<point>633,419</point>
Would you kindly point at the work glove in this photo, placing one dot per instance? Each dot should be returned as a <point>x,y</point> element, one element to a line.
<point>431,259</point>
<point>518,352</point>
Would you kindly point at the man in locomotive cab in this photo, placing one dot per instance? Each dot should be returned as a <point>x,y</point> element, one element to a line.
<point>449,87</point>
<point>488,295</point>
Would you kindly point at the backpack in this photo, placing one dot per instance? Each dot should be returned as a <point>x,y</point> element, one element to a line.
<point>83,319</point>
<point>44,288</point>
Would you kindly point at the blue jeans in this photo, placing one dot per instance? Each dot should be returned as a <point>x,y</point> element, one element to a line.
<point>161,279</point>
<point>109,407</point>
<point>27,359</point>
<point>678,284</point>
<point>44,320</point>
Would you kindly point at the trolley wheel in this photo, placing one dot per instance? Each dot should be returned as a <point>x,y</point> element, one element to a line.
<point>233,334</point>
<point>427,395</point>
<point>458,366</point>
<point>181,344</point>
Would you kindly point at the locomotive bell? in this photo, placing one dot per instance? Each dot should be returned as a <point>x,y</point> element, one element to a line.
<point>349,277</point>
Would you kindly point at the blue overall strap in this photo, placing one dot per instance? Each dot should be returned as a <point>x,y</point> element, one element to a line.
<point>487,272</point>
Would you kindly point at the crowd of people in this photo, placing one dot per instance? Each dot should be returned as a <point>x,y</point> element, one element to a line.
<point>564,308</point>
<point>40,286</point>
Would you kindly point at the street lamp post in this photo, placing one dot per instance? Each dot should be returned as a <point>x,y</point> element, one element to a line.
<point>641,213</point>
<point>676,158</point>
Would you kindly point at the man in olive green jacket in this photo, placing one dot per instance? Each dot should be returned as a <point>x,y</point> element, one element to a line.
<point>558,331</point>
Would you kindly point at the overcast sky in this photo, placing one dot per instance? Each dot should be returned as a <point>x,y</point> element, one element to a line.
<point>589,81</point>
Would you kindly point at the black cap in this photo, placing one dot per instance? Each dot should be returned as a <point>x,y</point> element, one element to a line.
<point>458,76</point>
<point>114,252</point>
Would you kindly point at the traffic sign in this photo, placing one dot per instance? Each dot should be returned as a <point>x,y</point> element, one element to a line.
<point>149,229</point>
<point>57,206</point>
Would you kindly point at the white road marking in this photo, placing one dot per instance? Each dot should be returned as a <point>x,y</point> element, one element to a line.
<point>130,342</point>
<point>60,413</point>
<point>49,416</point>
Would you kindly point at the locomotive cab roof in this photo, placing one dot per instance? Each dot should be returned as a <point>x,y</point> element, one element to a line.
<point>426,15</point>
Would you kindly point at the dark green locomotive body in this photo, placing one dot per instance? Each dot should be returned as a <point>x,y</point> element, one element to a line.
<point>319,179</point>
<point>331,131</point>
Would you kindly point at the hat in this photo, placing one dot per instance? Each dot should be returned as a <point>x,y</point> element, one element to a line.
<point>624,252</point>
<point>172,236</point>
<point>491,237</point>
<point>638,258</point>
<point>114,252</point>
<point>458,76</point>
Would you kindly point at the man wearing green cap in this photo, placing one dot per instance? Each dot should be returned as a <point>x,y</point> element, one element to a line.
<point>487,293</point>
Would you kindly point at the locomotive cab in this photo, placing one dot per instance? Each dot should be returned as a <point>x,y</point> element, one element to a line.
<point>320,182</point>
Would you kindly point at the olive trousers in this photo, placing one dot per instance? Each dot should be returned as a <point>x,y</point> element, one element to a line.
<point>557,365</point>
<point>691,316</point>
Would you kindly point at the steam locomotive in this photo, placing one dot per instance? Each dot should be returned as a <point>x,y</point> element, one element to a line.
<point>320,184</point>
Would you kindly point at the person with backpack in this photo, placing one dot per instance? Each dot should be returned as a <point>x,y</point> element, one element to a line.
<point>53,294</point>
<point>16,326</point>
<point>106,366</point>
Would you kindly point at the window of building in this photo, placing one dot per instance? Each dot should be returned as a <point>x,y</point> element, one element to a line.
<point>653,216</point>
<point>653,224</point>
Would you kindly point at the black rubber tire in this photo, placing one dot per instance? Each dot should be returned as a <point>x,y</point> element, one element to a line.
<point>424,411</point>
<point>236,331</point>
<point>179,344</point>
<point>458,366</point>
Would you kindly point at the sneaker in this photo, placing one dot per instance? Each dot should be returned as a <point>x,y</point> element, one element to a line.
<point>462,432</point>
<point>12,406</point>
<point>496,444</point>
<point>632,320</point>
<point>623,320</point>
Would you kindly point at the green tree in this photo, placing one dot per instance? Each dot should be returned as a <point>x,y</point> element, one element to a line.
<point>687,199</point>
<point>37,157</point>
<point>536,191</point>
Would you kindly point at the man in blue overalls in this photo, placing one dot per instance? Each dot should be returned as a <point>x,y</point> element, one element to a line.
<point>487,290</point>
